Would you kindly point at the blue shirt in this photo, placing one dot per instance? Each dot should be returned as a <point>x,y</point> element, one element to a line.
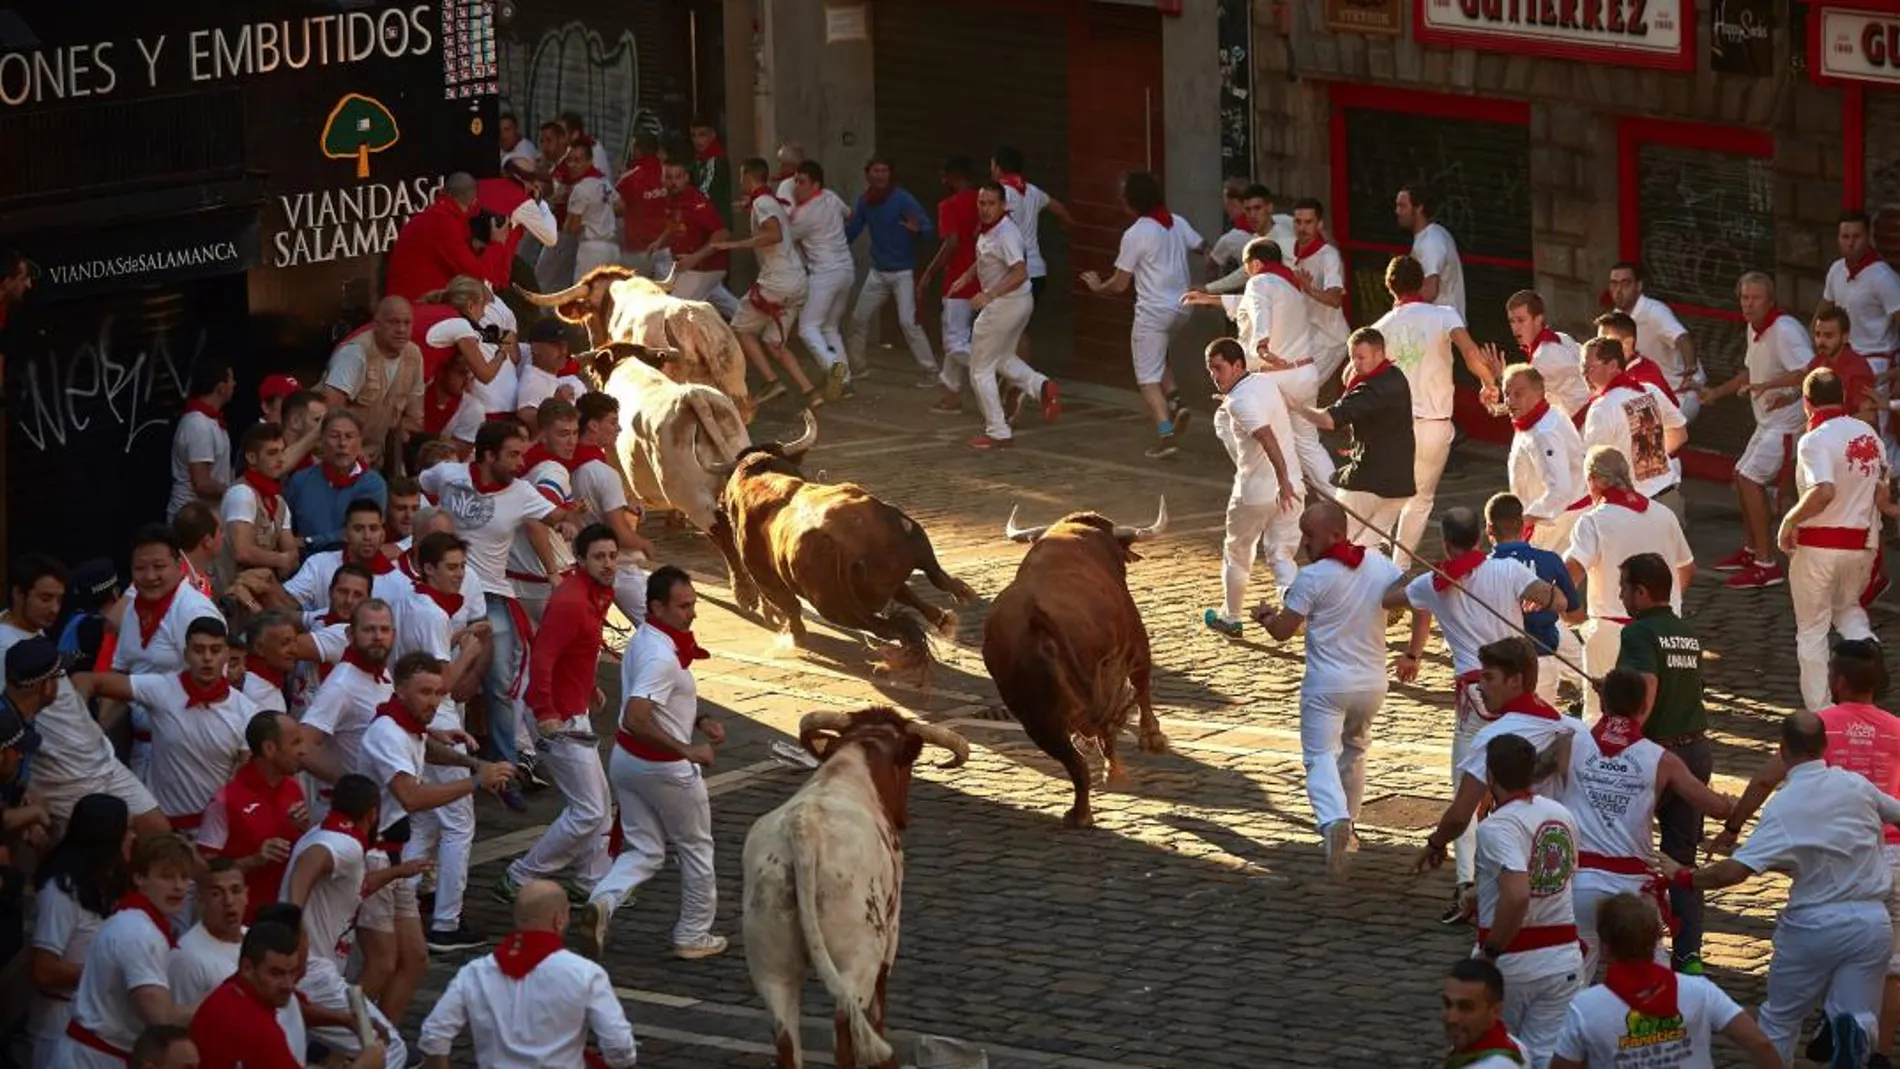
<point>1549,567</point>
<point>891,240</point>
<point>317,509</point>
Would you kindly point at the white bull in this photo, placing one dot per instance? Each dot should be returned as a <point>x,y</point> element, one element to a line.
<point>824,875</point>
<point>694,343</point>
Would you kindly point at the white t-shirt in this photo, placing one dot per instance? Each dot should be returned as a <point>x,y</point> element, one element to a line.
<point>390,751</point>
<point>1275,311</point>
<point>1436,251</point>
<point>1345,622</point>
<point>1780,347</point>
<point>310,584</point>
<point>468,418</point>
<point>488,522</point>
<point>348,368</point>
<point>200,963</point>
<point>64,929</point>
<point>1870,300</point>
<point>1328,272</point>
<point>1156,257</point>
<point>1607,535</point>
<point>1025,210</point>
<point>330,908</point>
<point>592,200</point>
<point>782,273</point>
<point>397,586</point>
<point>1597,1028</point>
<point>1612,799</point>
<point>1418,340</point>
<point>166,650</point>
<point>1824,827</point>
<point>342,710</point>
<point>1536,836</point>
<point>128,953</point>
<point>1253,403</point>
<point>1657,333</point>
<point>240,505</point>
<point>537,386</point>
<point>1542,732</point>
<point>1499,582</point>
<point>422,625</point>
<point>498,394</point>
<point>651,670</point>
<point>1560,361</point>
<point>599,486</point>
<point>194,750</point>
<point>818,227</point>
<point>1635,423</point>
<point>1846,453</point>
<point>198,440</point>
<point>1546,466</point>
<point>551,480</point>
<point>997,250</point>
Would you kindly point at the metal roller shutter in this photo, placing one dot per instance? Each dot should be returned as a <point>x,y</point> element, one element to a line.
<point>1881,118</point>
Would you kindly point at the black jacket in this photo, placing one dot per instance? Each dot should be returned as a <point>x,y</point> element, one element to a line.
<point>1378,410</point>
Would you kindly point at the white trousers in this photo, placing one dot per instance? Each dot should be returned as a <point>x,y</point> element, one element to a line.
<point>880,286</point>
<point>1335,732</point>
<point>1551,671</point>
<point>1382,514</point>
<point>1328,361</point>
<point>824,312</point>
<point>993,352</point>
<point>1535,1011</point>
<point>578,837</point>
<point>323,985</point>
<point>1602,639</point>
<point>1826,585</point>
<point>662,803</point>
<point>1837,951</point>
<point>1588,889</point>
<point>591,254</point>
<point>630,592</point>
<point>708,286</point>
<point>1251,528</point>
<point>1555,535</point>
<point>1300,386</point>
<point>1464,849</point>
<point>448,833</point>
<point>1432,444</point>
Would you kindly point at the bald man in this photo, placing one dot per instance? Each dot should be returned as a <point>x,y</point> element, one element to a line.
<point>440,242</point>
<point>377,374</point>
<point>1339,599</point>
<point>530,977</point>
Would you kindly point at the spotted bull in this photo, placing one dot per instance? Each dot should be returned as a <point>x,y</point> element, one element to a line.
<point>1065,644</point>
<point>824,878</point>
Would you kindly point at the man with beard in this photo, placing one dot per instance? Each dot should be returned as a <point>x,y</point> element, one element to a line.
<point>690,224</point>
<point>1474,1019</point>
<point>253,820</point>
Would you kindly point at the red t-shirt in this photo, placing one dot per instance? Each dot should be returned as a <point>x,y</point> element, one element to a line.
<point>956,214</point>
<point>244,814</point>
<point>1643,369</point>
<point>691,221</point>
<point>233,1027</point>
<point>1857,378</point>
<point>645,200</point>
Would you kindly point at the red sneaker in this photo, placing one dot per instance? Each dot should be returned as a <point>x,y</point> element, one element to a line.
<point>1756,576</point>
<point>985,442</point>
<point>1051,401</point>
<point>1737,561</point>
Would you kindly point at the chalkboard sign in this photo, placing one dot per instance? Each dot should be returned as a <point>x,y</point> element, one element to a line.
<point>1235,22</point>
<point>1706,218</point>
<point>1480,172</point>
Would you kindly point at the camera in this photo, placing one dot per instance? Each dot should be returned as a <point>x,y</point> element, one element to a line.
<point>491,334</point>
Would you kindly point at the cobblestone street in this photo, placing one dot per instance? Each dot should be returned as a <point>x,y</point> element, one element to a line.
<point>1193,927</point>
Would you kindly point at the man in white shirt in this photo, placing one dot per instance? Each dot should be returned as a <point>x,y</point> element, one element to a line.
<point>1474,1018</point>
<point>656,773</point>
<point>530,978</point>
<point>1154,259</point>
<point>1644,1009</point>
<point>1831,533</point>
<point>152,628</point>
<point>1433,248</point>
<point>1634,418</point>
<point>1337,598</point>
<point>1322,274</point>
<point>1619,524</point>
<point>548,467</point>
<point>602,491</point>
<point>207,954</point>
<point>769,311</point>
<point>1419,338</point>
<point>341,710</point>
<point>1546,460</point>
<point>590,208</point>
<point>1026,201</point>
<point>1834,938</point>
<point>551,370</point>
<point>1867,288</point>
<point>201,446</point>
<point>1002,306</point>
<point>362,544</point>
<point>1261,221</point>
<point>1777,344</point>
<point>818,218</point>
<point>256,518</point>
<point>1264,507</point>
<point>1663,337</point>
<point>513,145</point>
<point>1553,353</point>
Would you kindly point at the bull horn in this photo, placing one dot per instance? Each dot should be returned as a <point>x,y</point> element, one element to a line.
<point>1143,534</point>
<point>938,735</point>
<point>666,284</point>
<point>811,724</point>
<point>1021,534</point>
<point>553,300</point>
<point>799,446</point>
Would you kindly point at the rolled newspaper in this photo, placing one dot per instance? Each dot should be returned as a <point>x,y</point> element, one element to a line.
<point>359,1009</point>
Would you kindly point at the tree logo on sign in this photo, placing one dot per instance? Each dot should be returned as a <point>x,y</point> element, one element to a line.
<point>358,126</point>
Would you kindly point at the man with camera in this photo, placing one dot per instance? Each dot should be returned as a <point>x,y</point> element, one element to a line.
<point>439,243</point>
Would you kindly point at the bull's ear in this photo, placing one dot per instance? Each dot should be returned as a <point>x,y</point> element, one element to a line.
<point>1129,554</point>
<point>913,746</point>
<point>573,312</point>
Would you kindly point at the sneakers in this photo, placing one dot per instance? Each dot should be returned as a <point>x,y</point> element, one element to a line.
<point>1850,1043</point>
<point>511,797</point>
<point>1690,965</point>
<point>443,942</point>
<point>773,391</point>
<point>595,916</point>
<point>948,405</point>
<point>1455,913</point>
<point>1216,622</point>
<point>985,442</point>
<point>833,386</point>
<point>929,380</point>
<point>1178,416</point>
<point>504,889</point>
<point>705,946</point>
<point>1338,841</point>
<point>1736,561</point>
<point>1162,449</point>
<point>1757,575</point>
<point>1051,401</point>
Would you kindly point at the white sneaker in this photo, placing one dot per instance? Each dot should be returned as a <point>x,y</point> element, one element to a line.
<point>705,946</point>
<point>1338,836</point>
<point>595,917</point>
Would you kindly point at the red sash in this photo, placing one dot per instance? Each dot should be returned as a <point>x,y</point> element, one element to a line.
<point>1536,937</point>
<point>86,1037</point>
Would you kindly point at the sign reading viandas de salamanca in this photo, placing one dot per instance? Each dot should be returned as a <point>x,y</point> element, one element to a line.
<point>359,220</point>
<point>162,261</point>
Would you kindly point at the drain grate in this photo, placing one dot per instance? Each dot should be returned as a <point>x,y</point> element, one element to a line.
<point>1402,812</point>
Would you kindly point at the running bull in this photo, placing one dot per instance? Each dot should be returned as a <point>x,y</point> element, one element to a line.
<point>691,341</point>
<point>824,876</point>
<point>841,549</point>
<point>1065,643</point>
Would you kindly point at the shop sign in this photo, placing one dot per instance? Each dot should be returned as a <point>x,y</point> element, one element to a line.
<point>1741,37</point>
<point>159,253</point>
<point>1856,46</point>
<point>1366,16</point>
<point>1628,33</point>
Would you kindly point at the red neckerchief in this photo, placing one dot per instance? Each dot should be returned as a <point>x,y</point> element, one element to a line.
<point>1530,704</point>
<point>713,150</point>
<point>374,671</point>
<point>1282,271</point>
<point>762,191</point>
<point>1614,734</point>
<point>591,172</point>
<point>1302,251</point>
<point>1532,417</point>
<point>1543,336</point>
<point>684,644</point>
<point>1241,222</point>
<point>268,490</point>
<point>1355,378</point>
<point>481,485</point>
<point>408,567</point>
<point>1161,215</point>
<point>572,367</point>
<point>255,665</point>
<point>1628,499</point>
<point>1855,267</point>
<point>137,900</point>
<point>520,952</point>
<point>1413,299</point>
<point>378,563</point>
<point>1822,415</point>
<point>1623,379</point>
<point>346,479</point>
<point>984,228</point>
<point>1648,988</point>
<point>1454,569</point>
<point>395,710</point>
<point>1346,553</point>
<point>1755,333</point>
<point>537,453</point>
<point>1013,181</point>
<point>1495,1040</point>
<point>206,696</point>
<point>205,408</point>
<point>330,618</point>
<point>875,195</point>
<point>338,822</point>
<point>152,613</point>
<point>450,604</point>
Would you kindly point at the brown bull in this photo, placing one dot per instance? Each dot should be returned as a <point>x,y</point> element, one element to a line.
<point>1065,643</point>
<point>844,551</point>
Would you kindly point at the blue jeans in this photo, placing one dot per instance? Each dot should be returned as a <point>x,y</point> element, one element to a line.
<point>503,670</point>
<point>1681,832</point>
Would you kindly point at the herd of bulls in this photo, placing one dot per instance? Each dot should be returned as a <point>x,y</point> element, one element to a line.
<point>1063,641</point>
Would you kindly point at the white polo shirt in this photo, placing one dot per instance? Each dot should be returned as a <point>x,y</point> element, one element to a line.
<point>565,998</point>
<point>1845,453</point>
<point>997,250</point>
<point>1780,346</point>
<point>1597,1028</point>
<point>1499,583</point>
<point>1025,210</point>
<point>1418,340</point>
<point>389,750</point>
<point>1607,535</point>
<point>396,587</point>
<point>200,963</point>
<point>1345,622</point>
<point>537,386</point>
<point>310,584</point>
<point>781,270</point>
<point>487,520</point>
<point>1156,257</point>
<point>194,750</point>
<point>1657,333</point>
<point>1635,423</point>
<point>651,670</point>
<point>65,929</point>
<point>330,908</point>
<point>1274,310</point>
<point>1328,272</point>
<point>199,439</point>
<point>1436,251</point>
<point>818,227</point>
<point>1824,827</point>
<point>1870,298</point>
<point>1538,837</point>
<point>128,953</point>
<point>1559,359</point>
<point>1253,403</point>
<point>1546,466</point>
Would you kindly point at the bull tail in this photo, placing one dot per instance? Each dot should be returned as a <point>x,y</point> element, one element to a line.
<point>709,422</point>
<point>1090,696</point>
<point>927,564</point>
<point>870,1047</point>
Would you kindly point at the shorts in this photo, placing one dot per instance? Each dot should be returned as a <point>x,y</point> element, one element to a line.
<point>1768,450</point>
<point>111,778</point>
<point>395,901</point>
<point>772,330</point>
<point>1148,340</point>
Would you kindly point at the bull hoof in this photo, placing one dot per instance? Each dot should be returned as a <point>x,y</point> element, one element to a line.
<point>1079,818</point>
<point>1117,777</point>
<point>1153,741</point>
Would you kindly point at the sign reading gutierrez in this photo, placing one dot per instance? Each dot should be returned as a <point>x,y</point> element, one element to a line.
<point>1632,33</point>
<point>1862,46</point>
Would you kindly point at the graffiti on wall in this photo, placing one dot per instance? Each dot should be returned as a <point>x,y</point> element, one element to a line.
<point>104,386</point>
<point>571,67</point>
